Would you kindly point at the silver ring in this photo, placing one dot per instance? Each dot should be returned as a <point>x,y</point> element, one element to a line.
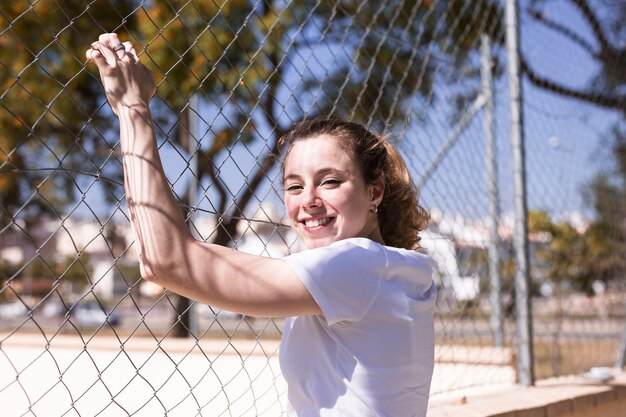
<point>118,47</point>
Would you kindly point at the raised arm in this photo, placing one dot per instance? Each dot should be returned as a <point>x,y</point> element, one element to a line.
<point>168,253</point>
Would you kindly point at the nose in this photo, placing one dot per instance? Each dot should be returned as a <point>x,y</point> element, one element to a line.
<point>310,198</point>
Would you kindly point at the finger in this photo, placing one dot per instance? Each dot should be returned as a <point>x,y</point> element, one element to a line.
<point>109,39</point>
<point>128,58</point>
<point>121,50</point>
<point>96,57</point>
<point>95,47</point>
<point>106,47</point>
<point>130,49</point>
<point>95,54</point>
<point>130,55</point>
<point>112,40</point>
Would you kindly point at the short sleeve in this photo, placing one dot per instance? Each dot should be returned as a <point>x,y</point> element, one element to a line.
<point>344,278</point>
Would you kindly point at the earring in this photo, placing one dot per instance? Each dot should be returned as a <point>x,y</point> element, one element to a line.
<point>374,209</point>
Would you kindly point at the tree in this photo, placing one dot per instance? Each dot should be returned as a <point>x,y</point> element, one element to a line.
<point>243,59</point>
<point>238,54</point>
<point>45,101</point>
<point>607,49</point>
<point>578,258</point>
<point>606,236</point>
<point>604,242</point>
<point>561,249</point>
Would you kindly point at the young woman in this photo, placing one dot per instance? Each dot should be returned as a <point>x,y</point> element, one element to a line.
<point>359,339</point>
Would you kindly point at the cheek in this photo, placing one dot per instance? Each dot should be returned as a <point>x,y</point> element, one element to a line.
<point>352,205</point>
<point>358,209</point>
<point>291,205</point>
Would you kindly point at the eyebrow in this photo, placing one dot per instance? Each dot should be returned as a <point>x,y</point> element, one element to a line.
<point>321,172</point>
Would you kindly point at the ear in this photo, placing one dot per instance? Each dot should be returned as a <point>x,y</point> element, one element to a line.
<point>377,191</point>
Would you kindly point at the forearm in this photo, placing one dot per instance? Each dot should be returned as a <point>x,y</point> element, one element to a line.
<point>168,253</point>
<point>160,229</point>
<point>170,256</point>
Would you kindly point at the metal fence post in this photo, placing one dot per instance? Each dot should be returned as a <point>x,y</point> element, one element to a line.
<point>525,367</point>
<point>621,354</point>
<point>492,191</point>
<point>451,140</point>
<point>192,188</point>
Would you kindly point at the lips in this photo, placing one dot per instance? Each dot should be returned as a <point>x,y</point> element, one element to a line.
<point>317,222</point>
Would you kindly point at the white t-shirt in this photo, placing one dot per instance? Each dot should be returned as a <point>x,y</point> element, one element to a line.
<point>371,351</point>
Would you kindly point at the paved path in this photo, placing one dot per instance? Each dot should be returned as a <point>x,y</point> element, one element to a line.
<point>141,377</point>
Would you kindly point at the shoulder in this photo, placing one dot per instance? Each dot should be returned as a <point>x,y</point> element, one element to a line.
<point>347,254</point>
<point>364,252</point>
<point>398,257</point>
<point>343,278</point>
<point>362,255</point>
<point>357,244</point>
<point>414,270</point>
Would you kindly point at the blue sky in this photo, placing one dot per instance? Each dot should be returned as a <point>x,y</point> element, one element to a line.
<point>563,136</point>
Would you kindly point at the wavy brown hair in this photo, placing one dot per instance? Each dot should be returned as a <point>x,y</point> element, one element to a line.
<point>400,217</point>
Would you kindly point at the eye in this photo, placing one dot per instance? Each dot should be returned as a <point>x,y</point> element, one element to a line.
<point>293,188</point>
<point>331,183</point>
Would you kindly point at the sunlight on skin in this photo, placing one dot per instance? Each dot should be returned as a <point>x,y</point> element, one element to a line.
<point>326,198</point>
<point>169,256</point>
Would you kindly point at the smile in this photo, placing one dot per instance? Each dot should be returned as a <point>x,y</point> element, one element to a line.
<point>317,222</point>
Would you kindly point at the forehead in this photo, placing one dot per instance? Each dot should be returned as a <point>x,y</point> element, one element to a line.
<point>317,151</point>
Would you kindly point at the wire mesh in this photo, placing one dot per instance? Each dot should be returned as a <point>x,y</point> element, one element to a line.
<point>82,334</point>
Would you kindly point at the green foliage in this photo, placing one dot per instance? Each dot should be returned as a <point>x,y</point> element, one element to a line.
<point>237,54</point>
<point>244,58</point>
<point>560,249</point>
<point>43,273</point>
<point>46,100</point>
<point>600,255</point>
<point>606,194</point>
<point>203,47</point>
<point>7,272</point>
<point>566,255</point>
<point>398,53</point>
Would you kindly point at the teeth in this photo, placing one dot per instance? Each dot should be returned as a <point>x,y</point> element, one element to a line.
<point>316,222</point>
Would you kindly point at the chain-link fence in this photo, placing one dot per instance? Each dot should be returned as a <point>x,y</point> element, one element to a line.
<point>82,334</point>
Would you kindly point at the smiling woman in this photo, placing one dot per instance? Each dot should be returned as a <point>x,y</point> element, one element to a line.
<point>325,194</point>
<point>368,160</point>
<point>359,339</point>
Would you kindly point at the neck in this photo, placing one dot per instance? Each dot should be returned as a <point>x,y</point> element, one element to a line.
<point>373,232</point>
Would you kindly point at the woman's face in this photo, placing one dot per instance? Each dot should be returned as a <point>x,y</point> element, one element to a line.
<point>326,197</point>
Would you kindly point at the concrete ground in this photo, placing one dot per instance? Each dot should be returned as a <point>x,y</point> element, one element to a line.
<point>142,377</point>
